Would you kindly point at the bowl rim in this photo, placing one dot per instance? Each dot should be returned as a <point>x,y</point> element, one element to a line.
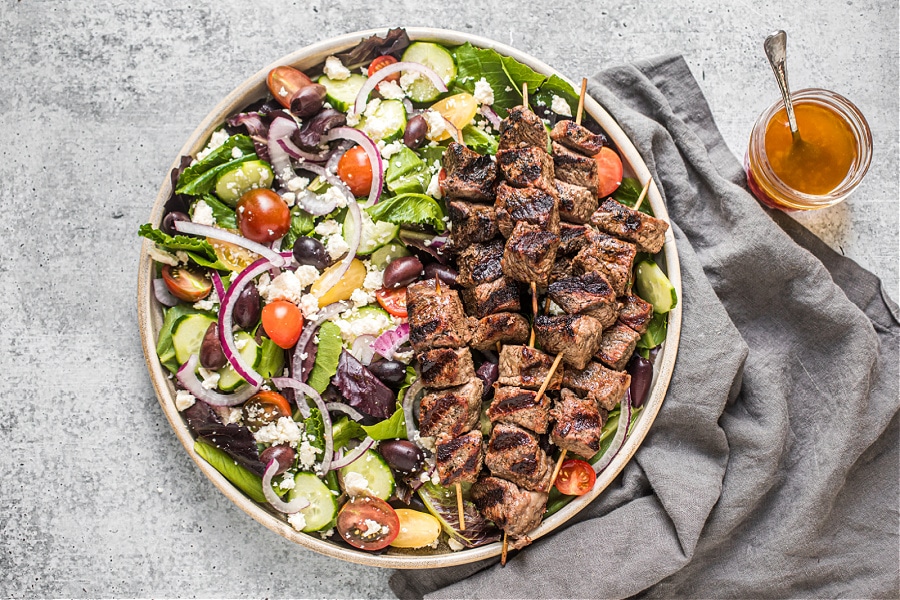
<point>150,314</point>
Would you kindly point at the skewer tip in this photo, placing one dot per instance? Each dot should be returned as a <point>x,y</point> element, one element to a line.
<point>580,112</point>
<point>504,550</point>
<point>562,457</point>
<point>460,508</point>
<point>643,195</point>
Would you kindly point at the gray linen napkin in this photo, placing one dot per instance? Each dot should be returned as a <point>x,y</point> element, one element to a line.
<point>772,468</point>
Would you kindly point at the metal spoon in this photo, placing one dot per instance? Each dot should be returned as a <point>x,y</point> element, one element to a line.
<point>776,51</point>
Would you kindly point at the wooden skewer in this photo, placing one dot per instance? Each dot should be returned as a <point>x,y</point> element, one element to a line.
<point>546,305</point>
<point>534,311</point>
<point>643,195</point>
<point>580,112</point>
<point>525,94</point>
<point>562,457</point>
<point>459,507</point>
<point>550,373</point>
<point>437,284</point>
<point>503,551</point>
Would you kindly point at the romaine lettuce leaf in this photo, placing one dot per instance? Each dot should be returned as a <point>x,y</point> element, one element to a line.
<point>197,249</point>
<point>389,429</point>
<point>479,140</point>
<point>628,193</point>
<point>409,209</point>
<point>343,430</point>
<point>200,178</point>
<point>328,353</point>
<point>246,480</point>
<point>301,224</point>
<point>222,213</point>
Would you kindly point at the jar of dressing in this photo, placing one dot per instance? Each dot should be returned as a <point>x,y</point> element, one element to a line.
<point>822,168</point>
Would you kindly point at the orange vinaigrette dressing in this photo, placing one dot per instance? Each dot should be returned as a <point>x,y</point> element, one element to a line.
<point>821,161</point>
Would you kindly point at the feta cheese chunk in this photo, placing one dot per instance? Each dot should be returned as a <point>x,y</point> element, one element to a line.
<point>436,124</point>
<point>391,90</point>
<point>560,106</point>
<point>355,484</point>
<point>335,69</point>
<point>203,214</point>
<point>297,521</point>
<point>283,431</point>
<point>483,92</point>
<point>184,400</point>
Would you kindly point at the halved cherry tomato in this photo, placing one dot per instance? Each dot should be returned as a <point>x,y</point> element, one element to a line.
<point>393,301</point>
<point>262,216</point>
<point>609,169</point>
<point>355,170</point>
<point>186,284</point>
<point>459,109</point>
<point>264,408</point>
<point>381,62</point>
<point>576,477</point>
<point>283,322</point>
<point>368,523</point>
<point>284,82</point>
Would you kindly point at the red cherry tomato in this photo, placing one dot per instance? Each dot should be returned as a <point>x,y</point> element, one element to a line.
<point>262,216</point>
<point>264,408</point>
<point>393,300</point>
<point>284,82</point>
<point>282,322</point>
<point>354,170</point>
<point>576,477</point>
<point>186,284</point>
<point>609,168</point>
<point>368,523</point>
<point>380,63</point>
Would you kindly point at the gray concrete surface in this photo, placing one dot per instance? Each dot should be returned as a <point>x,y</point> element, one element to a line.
<point>97,498</point>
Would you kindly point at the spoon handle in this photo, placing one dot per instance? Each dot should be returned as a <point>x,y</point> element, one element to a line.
<point>776,51</point>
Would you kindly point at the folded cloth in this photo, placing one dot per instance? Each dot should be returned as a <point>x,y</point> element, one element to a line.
<point>772,467</point>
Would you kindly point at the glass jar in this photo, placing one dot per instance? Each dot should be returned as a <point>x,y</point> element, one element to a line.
<point>771,190</point>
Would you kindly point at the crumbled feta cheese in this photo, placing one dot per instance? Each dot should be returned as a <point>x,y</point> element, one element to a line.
<point>434,188</point>
<point>360,297</point>
<point>216,139</point>
<point>372,108</point>
<point>352,118</point>
<point>374,278</point>
<point>407,79</point>
<point>483,92</point>
<point>436,124</point>
<point>328,227</point>
<point>554,309</point>
<point>352,325</point>
<point>336,246</point>
<point>391,149</point>
<point>161,256</point>
<point>454,545</point>
<point>508,89</point>
<point>184,400</point>
<point>210,379</point>
<point>373,528</point>
<point>241,343</point>
<point>560,106</point>
<point>297,521</point>
<point>296,184</point>
<point>306,275</point>
<point>236,152</point>
<point>355,484</point>
<point>287,482</point>
<point>309,306</point>
<point>306,454</point>
<point>334,196</point>
<point>335,69</point>
<point>287,286</point>
<point>391,90</point>
<point>208,303</point>
<point>282,92</point>
<point>283,431</point>
<point>203,214</point>
<point>290,198</point>
<point>327,533</point>
<point>234,415</point>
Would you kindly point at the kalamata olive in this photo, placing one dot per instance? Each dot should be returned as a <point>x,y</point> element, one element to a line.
<point>641,371</point>
<point>488,373</point>
<point>390,372</point>
<point>283,454</point>
<point>310,251</point>
<point>416,128</point>
<point>211,354</point>
<point>447,274</point>
<point>402,271</point>
<point>168,224</point>
<point>308,100</point>
<point>247,309</point>
<point>401,455</point>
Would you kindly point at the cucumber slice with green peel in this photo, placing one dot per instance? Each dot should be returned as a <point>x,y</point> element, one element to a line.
<point>386,123</point>
<point>384,255</point>
<point>250,351</point>
<point>341,94</point>
<point>374,234</point>
<point>322,507</point>
<point>371,467</point>
<point>435,57</point>
<point>653,286</point>
<point>249,175</point>
<point>187,335</point>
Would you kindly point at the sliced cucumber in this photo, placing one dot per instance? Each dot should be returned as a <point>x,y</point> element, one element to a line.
<point>376,472</point>
<point>187,335</point>
<point>653,286</point>
<point>249,175</point>
<point>435,57</point>
<point>250,351</point>
<point>341,94</point>
<point>386,123</point>
<point>322,507</point>
<point>384,255</point>
<point>374,235</point>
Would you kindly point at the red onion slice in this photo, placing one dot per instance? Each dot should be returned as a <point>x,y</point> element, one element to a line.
<point>281,128</point>
<point>162,293</point>
<point>353,454</point>
<point>490,115</point>
<point>188,378</point>
<point>217,285</point>
<point>355,135</point>
<point>296,153</point>
<point>295,505</point>
<point>621,434</point>
<point>283,382</point>
<point>346,409</point>
<point>362,349</point>
<point>334,159</point>
<point>232,238</point>
<point>333,277</point>
<point>372,82</point>
<point>309,330</point>
<point>388,342</point>
<point>454,131</point>
<point>409,399</point>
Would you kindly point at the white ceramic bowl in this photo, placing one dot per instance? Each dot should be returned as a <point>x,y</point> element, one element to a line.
<point>150,312</point>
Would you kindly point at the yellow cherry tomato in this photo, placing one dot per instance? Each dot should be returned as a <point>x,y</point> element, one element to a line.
<point>234,257</point>
<point>417,529</point>
<point>459,109</point>
<point>343,289</point>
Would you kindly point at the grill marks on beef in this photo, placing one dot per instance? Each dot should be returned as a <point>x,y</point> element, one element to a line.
<point>469,174</point>
<point>446,367</point>
<point>518,406</point>
<point>528,166</point>
<point>531,205</point>
<point>525,367</point>
<point>617,346</point>
<point>471,223</point>
<point>459,459</point>
<point>646,232</point>
<point>635,313</point>
<point>579,424</point>
<point>488,298</point>
<point>436,319</point>
<point>578,138</point>
<point>589,293</point>
<point>522,128</point>
<point>503,327</point>
<point>574,168</point>
<point>480,263</point>
<point>515,454</point>
<point>529,254</point>
<point>451,412</point>
<point>576,337</point>
<point>604,386</point>
<point>576,203</point>
<point>512,509</point>
<point>610,257</point>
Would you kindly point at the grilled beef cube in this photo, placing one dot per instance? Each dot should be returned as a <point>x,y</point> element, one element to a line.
<point>522,128</point>
<point>648,233</point>
<point>576,337</point>
<point>578,424</point>
<point>515,454</point>
<point>436,319</point>
<point>459,459</point>
<point>524,167</point>
<point>531,205</point>
<point>572,238</point>
<point>489,298</point>
<point>562,268</point>
<point>609,256</point>
<point>480,263</point>
<point>576,203</point>
<point>512,509</point>
<point>469,174</point>
<point>578,138</point>
<point>635,313</point>
<point>451,412</point>
<point>604,386</point>
<point>504,328</point>
<point>517,406</point>
<point>574,168</point>
<point>529,254</point>
<point>472,223</point>
<point>589,294</point>
<point>617,346</point>
<point>446,367</point>
<point>525,367</point>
